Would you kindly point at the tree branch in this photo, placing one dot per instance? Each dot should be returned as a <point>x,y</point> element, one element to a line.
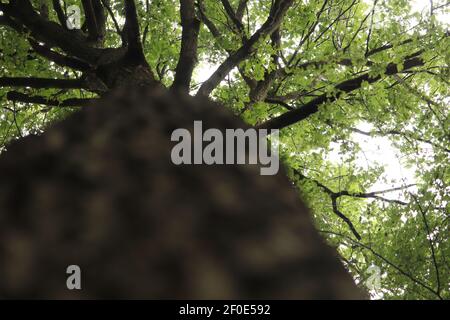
<point>208,23</point>
<point>274,20</point>
<point>334,197</point>
<point>7,21</point>
<point>51,32</point>
<point>373,195</point>
<point>312,106</point>
<point>344,218</point>
<point>346,61</point>
<point>71,102</point>
<point>376,254</point>
<point>58,58</point>
<point>278,101</point>
<point>240,9</point>
<point>100,19</point>
<point>60,13</point>
<point>91,20</point>
<point>131,28</point>
<point>116,24</point>
<point>430,241</point>
<point>232,15</point>
<point>41,83</point>
<point>189,42</point>
<point>400,133</point>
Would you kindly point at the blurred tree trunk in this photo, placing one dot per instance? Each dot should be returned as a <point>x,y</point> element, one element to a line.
<point>99,190</point>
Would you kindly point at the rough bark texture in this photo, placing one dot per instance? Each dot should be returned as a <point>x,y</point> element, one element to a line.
<point>99,190</point>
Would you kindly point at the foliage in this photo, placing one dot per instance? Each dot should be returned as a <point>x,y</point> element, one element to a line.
<point>405,231</point>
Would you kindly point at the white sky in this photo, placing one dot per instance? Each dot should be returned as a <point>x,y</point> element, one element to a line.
<point>424,5</point>
<point>379,151</point>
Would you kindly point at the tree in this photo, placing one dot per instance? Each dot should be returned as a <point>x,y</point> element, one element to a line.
<point>321,71</point>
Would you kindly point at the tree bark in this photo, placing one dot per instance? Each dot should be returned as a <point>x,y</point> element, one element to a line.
<point>99,190</point>
<point>189,41</point>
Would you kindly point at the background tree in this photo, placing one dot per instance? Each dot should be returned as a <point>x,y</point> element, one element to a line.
<point>325,72</point>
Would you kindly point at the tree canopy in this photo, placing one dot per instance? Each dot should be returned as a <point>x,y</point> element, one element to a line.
<point>335,76</point>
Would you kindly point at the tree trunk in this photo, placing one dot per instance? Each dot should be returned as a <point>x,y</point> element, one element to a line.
<point>99,190</point>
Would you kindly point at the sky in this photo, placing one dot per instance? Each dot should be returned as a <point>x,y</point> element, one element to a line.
<point>379,151</point>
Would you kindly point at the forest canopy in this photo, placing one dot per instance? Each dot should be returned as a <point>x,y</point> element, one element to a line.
<point>358,89</point>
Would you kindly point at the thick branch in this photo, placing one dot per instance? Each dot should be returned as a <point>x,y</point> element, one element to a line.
<point>111,14</point>
<point>232,15</point>
<point>71,102</point>
<point>208,23</point>
<point>274,20</point>
<point>60,13</point>
<point>91,20</point>
<point>260,91</point>
<point>58,58</point>
<point>50,32</point>
<point>312,106</point>
<point>280,102</point>
<point>240,9</point>
<point>100,19</point>
<point>189,42</point>
<point>95,19</point>
<point>7,21</point>
<point>41,83</point>
<point>135,51</point>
